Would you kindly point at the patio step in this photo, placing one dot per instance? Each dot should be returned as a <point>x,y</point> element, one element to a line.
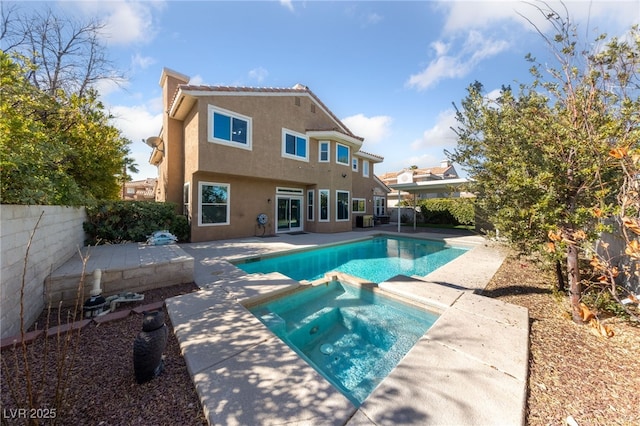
<point>125,268</point>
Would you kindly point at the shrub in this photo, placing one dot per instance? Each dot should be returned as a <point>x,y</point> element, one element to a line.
<point>115,222</point>
<point>455,211</point>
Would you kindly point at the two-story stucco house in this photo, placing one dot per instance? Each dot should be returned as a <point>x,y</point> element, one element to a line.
<point>247,161</point>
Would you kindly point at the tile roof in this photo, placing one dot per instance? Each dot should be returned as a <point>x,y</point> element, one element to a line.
<point>298,89</point>
<point>373,155</point>
<point>438,171</point>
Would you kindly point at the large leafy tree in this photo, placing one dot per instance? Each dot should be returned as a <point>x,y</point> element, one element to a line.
<point>54,150</point>
<point>540,156</point>
<point>57,144</point>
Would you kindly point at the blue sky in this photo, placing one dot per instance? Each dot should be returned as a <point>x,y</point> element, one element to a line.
<point>389,70</point>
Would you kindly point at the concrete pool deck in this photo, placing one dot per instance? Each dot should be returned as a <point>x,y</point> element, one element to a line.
<point>469,368</point>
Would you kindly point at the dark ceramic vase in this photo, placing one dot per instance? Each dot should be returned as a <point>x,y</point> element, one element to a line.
<point>149,346</point>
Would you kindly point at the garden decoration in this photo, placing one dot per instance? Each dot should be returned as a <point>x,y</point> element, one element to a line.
<point>149,346</point>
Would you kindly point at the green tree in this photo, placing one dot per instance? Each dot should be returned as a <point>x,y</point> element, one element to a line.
<point>54,150</point>
<point>540,158</point>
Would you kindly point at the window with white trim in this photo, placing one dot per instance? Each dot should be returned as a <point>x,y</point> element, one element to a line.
<point>213,203</point>
<point>323,195</point>
<point>379,206</point>
<point>365,168</point>
<point>186,195</point>
<point>354,164</point>
<point>342,154</point>
<point>323,154</point>
<point>358,205</point>
<point>229,128</point>
<point>310,204</point>
<point>295,145</point>
<point>342,205</point>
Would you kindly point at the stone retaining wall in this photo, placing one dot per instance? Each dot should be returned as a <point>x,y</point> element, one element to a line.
<point>167,266</point>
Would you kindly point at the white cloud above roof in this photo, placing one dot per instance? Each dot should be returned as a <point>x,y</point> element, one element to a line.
<point>372,129</point>
<point>258,74</point>
<point>440,135</point>
<point>476,48</point>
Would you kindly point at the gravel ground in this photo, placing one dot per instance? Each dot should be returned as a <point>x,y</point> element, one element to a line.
<point>573,372</point>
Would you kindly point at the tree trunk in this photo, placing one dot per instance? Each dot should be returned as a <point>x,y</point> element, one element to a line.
<point>560,276</point>
<point>573,275</point>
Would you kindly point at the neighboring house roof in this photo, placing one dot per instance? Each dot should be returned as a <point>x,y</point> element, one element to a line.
<point>444,171</point>
<point>431,186</point>
<point>141,189</point>
<point>185,96</point>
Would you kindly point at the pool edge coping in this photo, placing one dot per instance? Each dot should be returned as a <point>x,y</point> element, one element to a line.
<point>377,415</point>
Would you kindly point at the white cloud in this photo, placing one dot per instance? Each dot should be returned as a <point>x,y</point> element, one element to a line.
<point>493,95</point>
<point>110,85</point>
<point>288,4</point>
<point>372,129</point>
<point>137,123</point>
<point>424,160</point>
<point>258,74</point>
<point>440,47</point>
<point>482,14</point>
<point>440,135</point>
<point>475,49</point>
<point>125,22</point>
<point>462,16</point>
<point>196,80</point>
<point>373,18</point>
<point>142,62</point>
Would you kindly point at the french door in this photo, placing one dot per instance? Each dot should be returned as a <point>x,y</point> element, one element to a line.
<point>289,213</point>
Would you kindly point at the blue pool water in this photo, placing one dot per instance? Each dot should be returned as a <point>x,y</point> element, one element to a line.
<point>375,260</point>
<point>352,336</point>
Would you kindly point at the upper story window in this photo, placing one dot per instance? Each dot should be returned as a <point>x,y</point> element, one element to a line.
<point>323,154</point>
<point>342,154</point>
<point>354,164</point>
<point>365,168</point>
<point>229,128</point>
<point>295,145</point>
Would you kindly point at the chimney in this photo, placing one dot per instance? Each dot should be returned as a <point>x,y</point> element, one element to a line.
<point>169,81</point>
<point>445,164</point>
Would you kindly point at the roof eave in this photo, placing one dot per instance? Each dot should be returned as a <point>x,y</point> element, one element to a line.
<point>335,136</point>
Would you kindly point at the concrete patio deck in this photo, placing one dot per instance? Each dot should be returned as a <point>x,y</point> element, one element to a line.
<point>469,368</point>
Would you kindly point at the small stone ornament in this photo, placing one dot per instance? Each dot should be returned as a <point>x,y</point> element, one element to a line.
<point>149,346</point>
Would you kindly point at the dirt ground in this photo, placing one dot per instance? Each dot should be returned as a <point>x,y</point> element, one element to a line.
<point>574,375</point>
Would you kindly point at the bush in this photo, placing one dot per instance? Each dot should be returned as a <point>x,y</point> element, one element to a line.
<point>115,222</point>
<point>454,211</point>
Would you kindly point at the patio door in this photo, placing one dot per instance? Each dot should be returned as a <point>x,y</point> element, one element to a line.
<point>289,213</point>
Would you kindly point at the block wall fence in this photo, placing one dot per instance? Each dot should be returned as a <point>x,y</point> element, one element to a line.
<point>57,238</point>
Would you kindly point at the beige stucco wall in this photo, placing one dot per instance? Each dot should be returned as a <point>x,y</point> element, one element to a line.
<point>269,116</point>
<point>255,174</point>
<point>249,198</point>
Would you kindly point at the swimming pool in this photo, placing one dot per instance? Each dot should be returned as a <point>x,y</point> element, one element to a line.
<point>375,260</point>
<point>351,335</point>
